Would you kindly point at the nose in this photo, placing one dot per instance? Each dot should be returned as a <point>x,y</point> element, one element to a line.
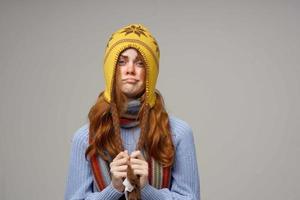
<point>130,68</point>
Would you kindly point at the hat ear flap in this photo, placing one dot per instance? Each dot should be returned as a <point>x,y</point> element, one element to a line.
<point>132,36</point>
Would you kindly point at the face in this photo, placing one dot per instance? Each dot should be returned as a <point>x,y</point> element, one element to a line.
<point>131,73</point>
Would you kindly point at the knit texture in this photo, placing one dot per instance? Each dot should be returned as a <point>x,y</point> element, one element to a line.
<point>185,182</point>
<point>130,117</point>
<point>158,176</point>
<point>132,36</point>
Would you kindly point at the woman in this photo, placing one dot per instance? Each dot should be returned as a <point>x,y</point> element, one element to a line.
<point>131,148</point>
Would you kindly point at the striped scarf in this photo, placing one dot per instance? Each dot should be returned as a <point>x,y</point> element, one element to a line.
<point>129,118</point>
<point>158,176</point>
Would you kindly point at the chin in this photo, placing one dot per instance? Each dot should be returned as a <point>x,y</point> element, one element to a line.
<point>131,94</point>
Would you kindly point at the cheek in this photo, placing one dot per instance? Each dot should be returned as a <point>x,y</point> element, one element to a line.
<point>119,76</point>
<point>141,74</point>
<point>121,72</point>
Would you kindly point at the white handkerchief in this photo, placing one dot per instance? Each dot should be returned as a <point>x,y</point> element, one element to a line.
<point>128,187</point>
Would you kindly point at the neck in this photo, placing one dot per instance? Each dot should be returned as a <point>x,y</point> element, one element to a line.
<point>131,99</point>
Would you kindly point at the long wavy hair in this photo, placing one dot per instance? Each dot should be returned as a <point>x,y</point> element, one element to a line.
<point>104,128</point>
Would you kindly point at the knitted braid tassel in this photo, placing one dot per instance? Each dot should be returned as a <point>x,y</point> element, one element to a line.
<point>135,194</point>
<point>134,180</point>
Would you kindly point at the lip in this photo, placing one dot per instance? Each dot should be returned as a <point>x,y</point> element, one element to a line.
<point>130,80</point>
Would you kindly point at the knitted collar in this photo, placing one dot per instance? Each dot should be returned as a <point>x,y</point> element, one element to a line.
<point>130,117</point>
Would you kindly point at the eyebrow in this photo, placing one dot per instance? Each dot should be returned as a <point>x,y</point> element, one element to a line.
<point>139,57</point>
<point>123,56</point>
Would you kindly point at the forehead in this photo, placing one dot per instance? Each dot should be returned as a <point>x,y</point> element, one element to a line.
<point>131,52</point>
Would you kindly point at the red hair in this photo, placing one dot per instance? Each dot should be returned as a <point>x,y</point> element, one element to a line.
<point>104,131</point>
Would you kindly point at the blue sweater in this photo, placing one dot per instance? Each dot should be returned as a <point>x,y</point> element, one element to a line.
<point>185,183</point>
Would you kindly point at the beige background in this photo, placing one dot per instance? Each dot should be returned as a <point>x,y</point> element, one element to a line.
<point>228,68</point>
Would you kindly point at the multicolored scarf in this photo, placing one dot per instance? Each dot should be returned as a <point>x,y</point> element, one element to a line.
<point>158,176</point>
<point>129,118</point>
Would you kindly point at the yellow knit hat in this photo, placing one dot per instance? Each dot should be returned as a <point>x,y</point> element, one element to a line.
<point>135,36</point>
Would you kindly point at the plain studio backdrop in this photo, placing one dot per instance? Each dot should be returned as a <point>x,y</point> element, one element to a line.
<point>230,69</point>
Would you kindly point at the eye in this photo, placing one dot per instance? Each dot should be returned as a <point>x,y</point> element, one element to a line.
<point>140,63</point>
<point>121,62</point>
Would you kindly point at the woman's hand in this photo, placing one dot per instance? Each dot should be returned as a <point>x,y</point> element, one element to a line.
<point>139,166</point>
<point>118,169</point>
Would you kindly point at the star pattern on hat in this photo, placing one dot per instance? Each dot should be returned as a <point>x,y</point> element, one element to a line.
<point>138,30</point>
<point>111,37</point>
<point>157,48</point>
<point>155,43</point>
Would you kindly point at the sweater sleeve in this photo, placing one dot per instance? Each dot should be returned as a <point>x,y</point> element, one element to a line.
<point>185,184</point>
<point>79,182</point>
